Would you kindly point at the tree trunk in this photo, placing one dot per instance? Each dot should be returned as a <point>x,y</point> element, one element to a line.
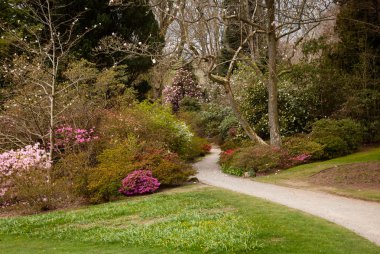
<point>51,127</point>
<point>274,125</point>
<point>243,122</point>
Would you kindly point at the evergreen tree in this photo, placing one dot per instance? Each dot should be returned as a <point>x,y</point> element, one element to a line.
<point>357,56</point>
<point>132,21</point>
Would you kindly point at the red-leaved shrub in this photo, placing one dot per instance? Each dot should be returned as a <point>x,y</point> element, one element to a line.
<point>206,148</point>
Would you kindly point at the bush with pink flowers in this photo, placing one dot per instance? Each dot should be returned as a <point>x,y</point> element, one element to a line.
<point>139,182</point>
<point>67,136</point>
<point>183,87</point>
<point>26,182</point>
<point>22,160</point>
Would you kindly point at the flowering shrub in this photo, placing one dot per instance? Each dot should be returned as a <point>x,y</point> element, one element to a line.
<point>253,159</point>
<point>67,136</point>
<point>16,163</point>
<point>226,158</point>
<point>12,162</point>
<point>229,152</point>
<point>183,87</point>
<point>24,159</point>
<point>139,182</point>
<point>206,148</point>
<point>166,166</point>
<point>302,158</point>
<point>120,160</point>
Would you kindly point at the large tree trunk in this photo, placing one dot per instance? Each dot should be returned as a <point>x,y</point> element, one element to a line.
<point>274,125</point>
<point>243,122</point>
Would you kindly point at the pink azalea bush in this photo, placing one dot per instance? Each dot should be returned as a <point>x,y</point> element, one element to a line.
<point>302,158</point>
<point>16,161</point>
<point>67,136</point>
<point>139,182</point>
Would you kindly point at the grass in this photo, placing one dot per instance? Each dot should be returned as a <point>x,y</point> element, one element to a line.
<point>192,220</point>
<point>299,175</point>
<point>25,245</point>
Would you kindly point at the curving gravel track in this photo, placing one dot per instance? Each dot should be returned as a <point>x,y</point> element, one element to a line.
<point>362,217</point>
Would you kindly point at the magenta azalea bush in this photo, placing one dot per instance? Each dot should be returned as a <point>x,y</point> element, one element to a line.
<point>139,182</point>
<point>67,136</point>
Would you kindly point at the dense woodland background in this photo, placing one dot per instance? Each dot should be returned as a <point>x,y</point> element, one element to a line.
<point>109,87</point>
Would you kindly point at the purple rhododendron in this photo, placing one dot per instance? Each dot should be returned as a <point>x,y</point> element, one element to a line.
<point>139,182</point>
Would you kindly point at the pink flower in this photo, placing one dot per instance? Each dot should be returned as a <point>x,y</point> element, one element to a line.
<point>301,157</point>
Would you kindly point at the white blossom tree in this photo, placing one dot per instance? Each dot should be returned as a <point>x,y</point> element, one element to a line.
<point>40,50</point>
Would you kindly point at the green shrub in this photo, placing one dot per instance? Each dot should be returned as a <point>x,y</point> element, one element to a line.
<point>167,167</point>
<point>256,158</point>
<point>211,118</point>
<point>297,145</point>
<point>114,165</point>
<point>148,122</point>
<point>232,171</point>
<point>172,173</point>
<point>339,137</point>
<point>296,106</point>
<point>194,121</point>
<point>230,122</point>
<point>333,146</point>
<point>190,104</point>
<point>34,193</point>
<point>144,136</point>
<point>231,143</point>
<point>236,142</point>
<point>75,168</point>
<point>253,159</point>
<point>117,162</point>
<point>195,148</point>
<point>162,125</point>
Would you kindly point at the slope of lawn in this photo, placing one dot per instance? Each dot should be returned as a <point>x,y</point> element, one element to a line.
<point>304,176</point>
<point>193,219</point>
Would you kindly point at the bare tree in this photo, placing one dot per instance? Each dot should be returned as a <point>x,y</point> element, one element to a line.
<point>41,49</point>
<point>196,32</point>
<point>260,26</point>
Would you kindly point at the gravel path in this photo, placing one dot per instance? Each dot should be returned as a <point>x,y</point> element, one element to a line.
<point>359,216</point>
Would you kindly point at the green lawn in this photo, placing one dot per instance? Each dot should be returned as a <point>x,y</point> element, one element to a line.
<point>187,220</point>
<point>298,176</point>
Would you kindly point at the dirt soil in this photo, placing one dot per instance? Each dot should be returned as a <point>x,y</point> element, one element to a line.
<point>364,175</point>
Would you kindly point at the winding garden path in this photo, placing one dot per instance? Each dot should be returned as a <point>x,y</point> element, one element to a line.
<point>362,217</point>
